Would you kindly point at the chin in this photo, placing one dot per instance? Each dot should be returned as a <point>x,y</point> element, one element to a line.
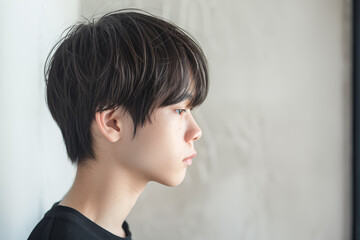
<point>172,181</point>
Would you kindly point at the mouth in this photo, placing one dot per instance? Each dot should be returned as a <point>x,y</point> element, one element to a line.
<point>188,160</point>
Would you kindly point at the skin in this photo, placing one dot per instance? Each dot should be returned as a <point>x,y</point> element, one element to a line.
<point>105,190</point>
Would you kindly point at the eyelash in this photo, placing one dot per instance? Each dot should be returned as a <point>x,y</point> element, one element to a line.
<point>184,110</point>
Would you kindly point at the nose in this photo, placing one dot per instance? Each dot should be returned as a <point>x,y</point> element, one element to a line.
<point>194,131</point>
<point>198,135</point>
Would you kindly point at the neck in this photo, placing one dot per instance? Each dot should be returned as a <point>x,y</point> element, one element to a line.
<point>105,194</point>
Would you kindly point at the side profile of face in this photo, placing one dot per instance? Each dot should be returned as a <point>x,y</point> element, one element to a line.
<point>158,149</point>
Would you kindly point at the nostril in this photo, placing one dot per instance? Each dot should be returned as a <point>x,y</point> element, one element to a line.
<point>198,135</point>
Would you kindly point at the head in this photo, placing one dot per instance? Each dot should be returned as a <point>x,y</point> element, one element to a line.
<point>121,89</point>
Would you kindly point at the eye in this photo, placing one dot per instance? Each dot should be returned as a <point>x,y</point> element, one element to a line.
<point>181,110</point>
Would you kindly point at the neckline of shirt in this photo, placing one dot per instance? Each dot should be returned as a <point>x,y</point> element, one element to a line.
<point>65,209</point>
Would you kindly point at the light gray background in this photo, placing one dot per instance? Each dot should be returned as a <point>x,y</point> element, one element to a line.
<point>274,159</point>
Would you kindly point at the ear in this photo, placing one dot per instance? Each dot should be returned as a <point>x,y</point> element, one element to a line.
<point>109,125</point>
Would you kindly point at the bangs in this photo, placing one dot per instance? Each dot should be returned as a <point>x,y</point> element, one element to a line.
<point>182,70</point>
<point>183,84</point>
<point>161,63</point>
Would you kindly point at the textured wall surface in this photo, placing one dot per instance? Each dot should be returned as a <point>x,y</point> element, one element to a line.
<point>274,159</point>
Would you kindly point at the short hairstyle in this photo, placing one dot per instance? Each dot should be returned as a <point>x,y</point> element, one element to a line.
<point>128,58</point>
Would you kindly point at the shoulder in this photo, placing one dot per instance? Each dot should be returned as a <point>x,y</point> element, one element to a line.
<point>65,223</point>
<point>61,223</point>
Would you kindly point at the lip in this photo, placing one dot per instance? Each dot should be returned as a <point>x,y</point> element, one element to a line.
<point>190,157</point>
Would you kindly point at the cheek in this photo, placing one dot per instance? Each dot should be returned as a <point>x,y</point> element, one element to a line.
<point>159,147</point>
<point>156,153</point>
<point>163,144</point>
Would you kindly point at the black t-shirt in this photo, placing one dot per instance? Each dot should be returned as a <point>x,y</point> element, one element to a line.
<point>66,223</point>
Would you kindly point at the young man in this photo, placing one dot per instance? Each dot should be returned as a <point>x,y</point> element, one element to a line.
<point>121,91</point>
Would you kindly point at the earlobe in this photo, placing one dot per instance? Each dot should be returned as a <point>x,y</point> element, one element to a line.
<point>108,124</point>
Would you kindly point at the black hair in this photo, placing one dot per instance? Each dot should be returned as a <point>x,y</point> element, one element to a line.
<point>128,58</point>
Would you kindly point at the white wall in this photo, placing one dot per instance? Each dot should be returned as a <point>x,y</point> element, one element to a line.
<point>34,171</point>
<point>274,159</point>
